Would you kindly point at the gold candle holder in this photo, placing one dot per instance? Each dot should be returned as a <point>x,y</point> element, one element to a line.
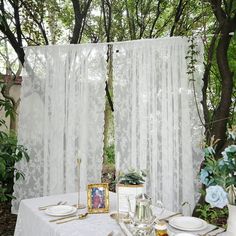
<point>79,205</point>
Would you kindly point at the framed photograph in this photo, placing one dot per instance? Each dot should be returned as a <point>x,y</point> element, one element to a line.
<point>98,198</point>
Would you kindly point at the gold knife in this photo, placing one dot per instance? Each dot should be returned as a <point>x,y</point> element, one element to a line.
<point>170,216</point>
<point>62,218</point>
<point>69,218</point>
<point>210,231</point>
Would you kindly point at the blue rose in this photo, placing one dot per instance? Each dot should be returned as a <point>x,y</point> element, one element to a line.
<point>227,153</point>
<point>216,196</point>
<point>231,148</point>
<point>203,177</point>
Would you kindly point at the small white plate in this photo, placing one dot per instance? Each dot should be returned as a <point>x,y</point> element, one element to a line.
<point>188,223</point>
<point>60,210</point>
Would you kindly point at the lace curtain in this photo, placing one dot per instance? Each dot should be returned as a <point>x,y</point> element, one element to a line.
<point>61,118</point>
<point>157,127</point>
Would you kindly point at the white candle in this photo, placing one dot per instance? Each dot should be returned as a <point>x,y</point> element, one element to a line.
<point>79,205</point>
<point>78,166</point>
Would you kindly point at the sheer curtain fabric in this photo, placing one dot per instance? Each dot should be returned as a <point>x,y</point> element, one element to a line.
<point>61,118</point>
<point>157,127</point>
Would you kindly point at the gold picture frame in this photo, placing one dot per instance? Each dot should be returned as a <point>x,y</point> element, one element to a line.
<point>98,198</point>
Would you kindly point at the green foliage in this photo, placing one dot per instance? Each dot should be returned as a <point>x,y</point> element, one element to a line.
<point>222,171</point>
<point>110,155</point>
<point>192,56</point>
<point>33,13</point>
<point>132,177</point>
<point>10,153</point>
<point>66,14</point>
<point>214,216</point>
<point>219,172</point>
<point>7,106</point>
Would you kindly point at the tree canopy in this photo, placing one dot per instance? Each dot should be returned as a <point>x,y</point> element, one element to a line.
<point>32,22</point>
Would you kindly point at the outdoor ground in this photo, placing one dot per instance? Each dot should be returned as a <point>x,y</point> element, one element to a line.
<point>7,220</point>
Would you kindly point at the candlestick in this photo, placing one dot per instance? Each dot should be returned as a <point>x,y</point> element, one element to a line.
<point>79,205</point>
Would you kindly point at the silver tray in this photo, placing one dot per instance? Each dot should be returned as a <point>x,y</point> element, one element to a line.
<point>131,230</point>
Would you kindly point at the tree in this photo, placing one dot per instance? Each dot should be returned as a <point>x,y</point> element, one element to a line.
<point>14,37</point>
<point>34,22</point>
<point>7,80</point>
<point>31,22</point>
<point>217,120</point>
<point>81,9</point>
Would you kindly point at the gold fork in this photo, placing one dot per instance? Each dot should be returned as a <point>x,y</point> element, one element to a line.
<point>45,207</point>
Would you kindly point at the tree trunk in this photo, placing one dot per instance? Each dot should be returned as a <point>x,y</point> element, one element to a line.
<point>218,126</point>
<point>222,112</point>
<point>109,105</point>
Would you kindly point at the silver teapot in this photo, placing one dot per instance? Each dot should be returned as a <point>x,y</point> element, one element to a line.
<point>142,217</point>
<point>143,211</point>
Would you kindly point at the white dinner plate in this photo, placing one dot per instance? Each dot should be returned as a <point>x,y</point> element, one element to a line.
<point>60,210</point>
<point>188,223</point>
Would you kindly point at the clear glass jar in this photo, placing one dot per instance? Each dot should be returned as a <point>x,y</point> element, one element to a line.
<point>161,229</point>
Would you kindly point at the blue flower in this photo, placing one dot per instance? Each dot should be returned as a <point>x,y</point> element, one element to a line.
<point>203,177</point>
<point>221,162</point>
<point>225,157</point>
<point>231,135</point>
<point>231,148</point>
<point>227,153</point>
<point>216,196</point>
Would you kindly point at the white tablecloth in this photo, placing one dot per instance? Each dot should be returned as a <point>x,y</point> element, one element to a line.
<point>32,222</point>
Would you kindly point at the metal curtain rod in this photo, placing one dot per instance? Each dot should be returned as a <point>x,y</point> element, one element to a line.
<point>128,41</point>
<point>210,35</point>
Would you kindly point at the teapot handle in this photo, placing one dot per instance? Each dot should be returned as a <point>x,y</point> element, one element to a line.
<point>188,210</point>
<point>159,204</point>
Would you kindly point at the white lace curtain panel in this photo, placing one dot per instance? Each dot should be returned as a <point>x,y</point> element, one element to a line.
<point>61,118</point>
<point>156,124</point>
<point>157,127</point>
